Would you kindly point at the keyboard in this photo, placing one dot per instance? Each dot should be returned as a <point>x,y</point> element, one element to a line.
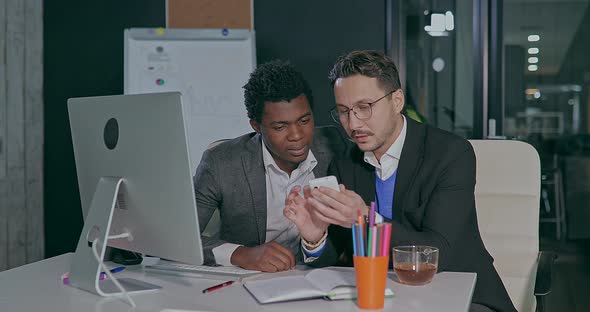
<point>177,268</point>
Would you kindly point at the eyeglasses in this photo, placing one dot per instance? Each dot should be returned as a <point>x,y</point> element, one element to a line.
<point>362,111</point>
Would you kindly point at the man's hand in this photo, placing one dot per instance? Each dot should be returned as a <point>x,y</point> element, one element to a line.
<point>334,207</point>
<point>296,209</point>
<point>269,257</point>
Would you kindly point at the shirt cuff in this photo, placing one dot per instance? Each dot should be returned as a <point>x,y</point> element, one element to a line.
<point>311,255</point>
<point>378,218</point>
<point>222,253</point>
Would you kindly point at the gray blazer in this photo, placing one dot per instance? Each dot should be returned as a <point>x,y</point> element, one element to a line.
<point>231,178</point>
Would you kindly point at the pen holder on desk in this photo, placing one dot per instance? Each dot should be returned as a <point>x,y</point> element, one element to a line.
<point>371,275</point>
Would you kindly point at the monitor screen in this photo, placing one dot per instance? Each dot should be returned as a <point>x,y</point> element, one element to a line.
<point>142,141</point>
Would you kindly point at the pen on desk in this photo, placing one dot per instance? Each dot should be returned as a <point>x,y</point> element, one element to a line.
<point>117,269</point>
<point>216,287</point>
<point>66,276</point>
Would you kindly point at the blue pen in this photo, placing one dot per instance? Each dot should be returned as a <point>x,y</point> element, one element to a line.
<point>362,239</point>
<point>354,239</point>
<point>117,269</point>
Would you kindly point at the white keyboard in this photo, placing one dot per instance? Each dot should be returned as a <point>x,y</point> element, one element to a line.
<point>196,270</point>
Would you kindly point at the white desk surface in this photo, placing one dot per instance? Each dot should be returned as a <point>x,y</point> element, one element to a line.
<point>37,287</point>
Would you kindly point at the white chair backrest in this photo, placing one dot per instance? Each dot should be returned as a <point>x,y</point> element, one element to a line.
<point>507,190</point>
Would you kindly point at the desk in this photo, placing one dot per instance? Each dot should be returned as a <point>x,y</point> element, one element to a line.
<point>37,287</point>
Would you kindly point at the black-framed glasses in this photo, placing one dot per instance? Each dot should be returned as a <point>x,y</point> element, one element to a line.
<point>362,111</point>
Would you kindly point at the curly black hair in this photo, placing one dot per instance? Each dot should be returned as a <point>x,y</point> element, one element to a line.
<point>274,81</point>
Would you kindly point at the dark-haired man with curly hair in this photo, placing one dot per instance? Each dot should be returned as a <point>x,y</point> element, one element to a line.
<point>248,178</point>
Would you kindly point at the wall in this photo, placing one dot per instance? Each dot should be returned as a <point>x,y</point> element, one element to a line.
<point>83,43</point>
<point>312,34</point>
<point>84,57</point>
<point>21,132</point>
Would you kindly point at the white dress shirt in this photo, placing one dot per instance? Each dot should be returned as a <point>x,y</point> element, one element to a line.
<point>278,185</point>
<point>390,160</point>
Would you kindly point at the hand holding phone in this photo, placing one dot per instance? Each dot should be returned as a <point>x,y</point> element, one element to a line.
<point>329,181</point>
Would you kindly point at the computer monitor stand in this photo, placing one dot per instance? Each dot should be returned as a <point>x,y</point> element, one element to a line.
<point>85,269</point>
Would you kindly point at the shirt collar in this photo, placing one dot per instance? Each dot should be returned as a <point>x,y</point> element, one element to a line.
<point>395,150</point>
<point>308,164</point>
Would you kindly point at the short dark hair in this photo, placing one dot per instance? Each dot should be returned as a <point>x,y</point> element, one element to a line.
<point>274,81</point>
<point>368,63</point>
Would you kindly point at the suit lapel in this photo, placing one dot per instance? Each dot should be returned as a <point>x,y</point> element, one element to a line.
<point>255,175</point>
<point>410,160</point>
<point>364,177</point>
<point>322,157</point>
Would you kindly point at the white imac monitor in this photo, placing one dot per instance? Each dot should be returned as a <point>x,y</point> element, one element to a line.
<point>133,166</point>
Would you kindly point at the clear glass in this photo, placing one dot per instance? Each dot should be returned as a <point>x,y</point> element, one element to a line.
<point>547,104</point>
<point>437,73</point>
<point>415,265</point>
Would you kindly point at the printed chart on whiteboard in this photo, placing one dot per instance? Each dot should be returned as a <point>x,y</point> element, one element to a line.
<point>208,66</point>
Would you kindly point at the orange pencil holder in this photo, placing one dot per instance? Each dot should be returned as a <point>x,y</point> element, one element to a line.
<point>371,275</point>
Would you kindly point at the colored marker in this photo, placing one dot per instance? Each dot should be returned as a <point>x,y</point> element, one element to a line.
<point>216,287</point>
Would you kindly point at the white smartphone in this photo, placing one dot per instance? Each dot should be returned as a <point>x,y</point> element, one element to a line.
<point>329,181</point>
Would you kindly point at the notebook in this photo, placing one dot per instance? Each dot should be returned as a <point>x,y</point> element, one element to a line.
<point>330,284</point>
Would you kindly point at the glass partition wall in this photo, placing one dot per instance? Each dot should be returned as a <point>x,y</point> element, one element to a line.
<point>515,69</point>
<point>547,84</point>
<point>433,41</point>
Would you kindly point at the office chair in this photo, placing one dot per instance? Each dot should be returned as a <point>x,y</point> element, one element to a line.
<point>507,195</point>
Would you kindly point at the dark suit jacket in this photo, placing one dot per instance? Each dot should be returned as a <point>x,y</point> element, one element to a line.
<point>434,205</point>
<point>231,178</point>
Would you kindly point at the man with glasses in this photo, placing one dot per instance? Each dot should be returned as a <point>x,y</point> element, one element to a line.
<point>421,179</point>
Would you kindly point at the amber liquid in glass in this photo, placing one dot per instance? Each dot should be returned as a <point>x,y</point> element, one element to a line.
<point>411,274</point>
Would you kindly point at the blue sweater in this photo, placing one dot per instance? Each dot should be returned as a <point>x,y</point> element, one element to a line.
<point>384,195</point>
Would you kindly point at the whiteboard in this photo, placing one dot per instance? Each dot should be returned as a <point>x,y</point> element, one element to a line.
<point>208,67</point>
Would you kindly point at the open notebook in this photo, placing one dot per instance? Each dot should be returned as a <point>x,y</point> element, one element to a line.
<point>319,283</point>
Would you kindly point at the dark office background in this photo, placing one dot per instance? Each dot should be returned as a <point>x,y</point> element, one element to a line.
<point>83,56</point>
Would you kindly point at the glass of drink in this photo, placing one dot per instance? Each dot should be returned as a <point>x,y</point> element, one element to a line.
<point>415,265</point>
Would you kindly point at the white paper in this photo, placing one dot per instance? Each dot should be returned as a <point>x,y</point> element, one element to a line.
<point>317,283</point>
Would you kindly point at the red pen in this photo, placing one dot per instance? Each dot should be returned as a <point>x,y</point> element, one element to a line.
<point>216,287</point>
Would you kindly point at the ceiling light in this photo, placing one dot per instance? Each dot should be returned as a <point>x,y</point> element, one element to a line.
<point>449,21</point>
<point>533,50</point>
<point>533,38</point>
<point>440,23</point>
<point>437,23</point>
<point>533,68</point>
<point>533,60</point>
<point>438,33</point>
